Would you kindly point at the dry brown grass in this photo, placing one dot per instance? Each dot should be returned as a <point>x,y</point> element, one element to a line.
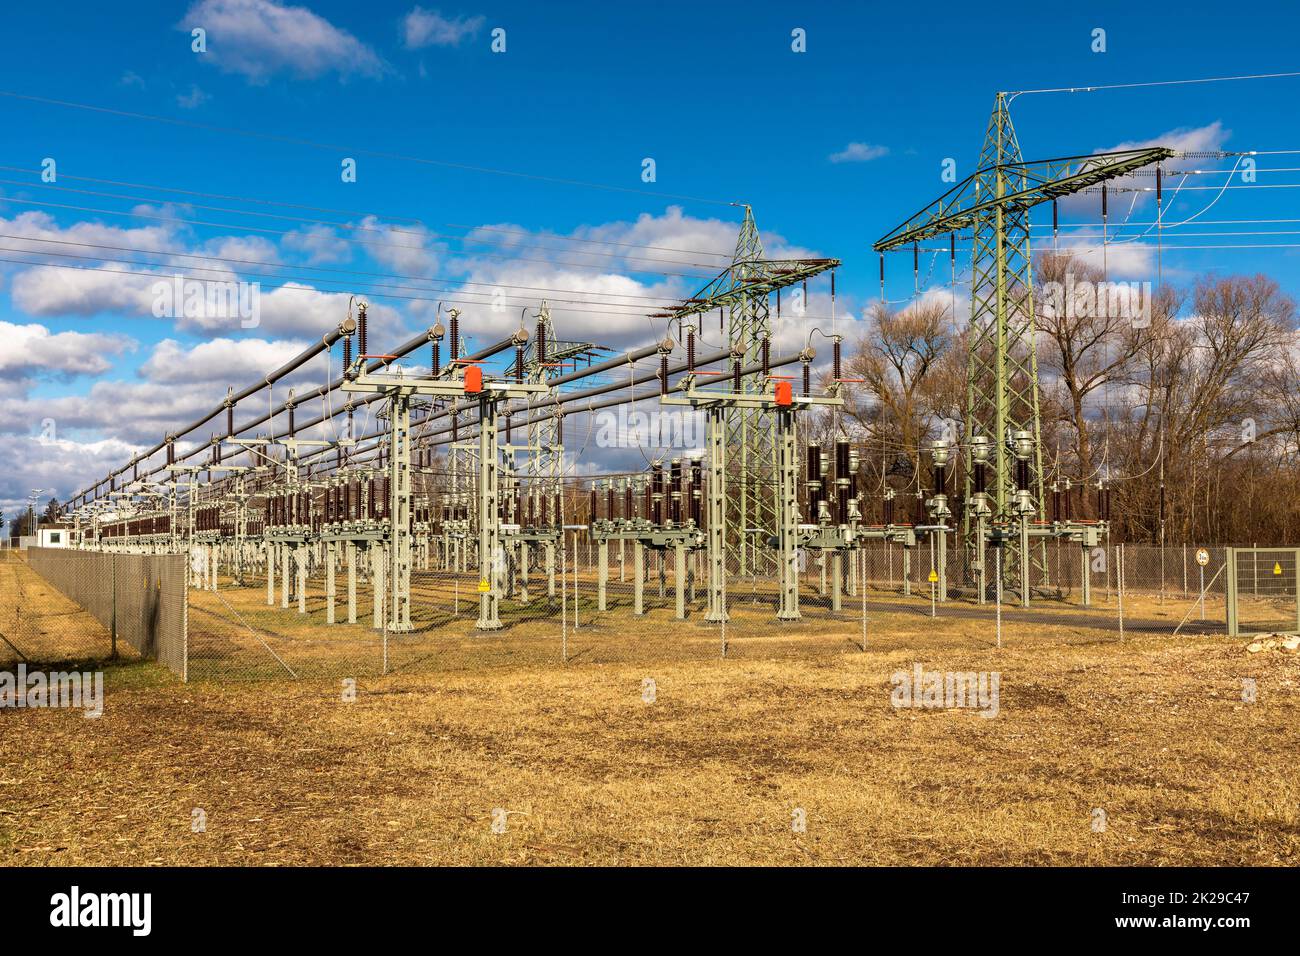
<point>1154,731</point>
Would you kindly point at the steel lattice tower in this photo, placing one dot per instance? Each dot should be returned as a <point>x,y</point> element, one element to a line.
<point>740,297</point>
<point>1002,366</point>
<point>1002,369</point>
<point>750,431</point>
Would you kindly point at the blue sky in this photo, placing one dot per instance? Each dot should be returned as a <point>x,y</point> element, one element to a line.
<point>713,93</point>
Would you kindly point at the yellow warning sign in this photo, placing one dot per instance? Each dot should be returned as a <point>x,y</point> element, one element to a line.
<point>1277,568</point>
<point>484,586</point>
<point>934,576</point>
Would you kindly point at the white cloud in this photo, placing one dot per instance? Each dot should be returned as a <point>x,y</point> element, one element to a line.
<point>32,349</point>
<point>858,153</point>
<point>406,247</point>
<point>611,276</point>
<point>298,309</point>
<point>1120,259</point>
<point>61,290</point>
<point>1190,139</point>
<point>28,227</point>
<point>235,362</point>
<point>192,99</point>
<point>422,28</point>
<point>257,38</point>
<point>136,412</point>
<point>1199,139</point>
<point>60,466</point>
<point>322,244</point>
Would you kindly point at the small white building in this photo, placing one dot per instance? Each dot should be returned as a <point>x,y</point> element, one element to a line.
<point>53,537</point>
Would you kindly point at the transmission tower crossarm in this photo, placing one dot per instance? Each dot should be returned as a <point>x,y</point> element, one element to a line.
<point>763,276</point>
<point>1029,183</point>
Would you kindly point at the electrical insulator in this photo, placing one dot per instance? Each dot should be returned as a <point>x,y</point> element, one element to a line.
<point>814,481</point>
<point>657,492</point>
<point>697,492</point>
<point>675,500</point>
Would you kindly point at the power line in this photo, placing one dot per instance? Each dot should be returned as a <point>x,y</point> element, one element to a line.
<point>601,308</point>
<point>277,265</point>
<point>1131,86</point>
<point>364,242</point>
<point>421,233</point>
<point>357,150</point>
<point>353,212</point>
<point>290,288</point>
<point>352,226</point>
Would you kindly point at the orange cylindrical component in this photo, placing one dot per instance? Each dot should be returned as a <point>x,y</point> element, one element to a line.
<point>473,380</point>
<point>784,393</point>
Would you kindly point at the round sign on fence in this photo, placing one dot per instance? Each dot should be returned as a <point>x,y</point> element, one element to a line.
<point>1202,557</point>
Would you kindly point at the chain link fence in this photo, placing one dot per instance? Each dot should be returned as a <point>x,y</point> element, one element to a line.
<point>557,607</point>
<point>58,604</point>
<point>552,609</point>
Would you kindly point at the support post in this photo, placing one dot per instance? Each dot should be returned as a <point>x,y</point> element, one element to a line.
<point>329,581</point>
<point>787,517</point>
<point>352,581</point>
<point>489,521</point>
<point>717,544</point>
<point>602,572</point>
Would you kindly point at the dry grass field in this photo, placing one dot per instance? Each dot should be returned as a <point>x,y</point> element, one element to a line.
<point>1153,731</point>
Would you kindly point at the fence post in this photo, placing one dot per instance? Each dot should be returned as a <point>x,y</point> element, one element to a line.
<point>112,577</point>
<point>998,601</point>
<point>564,601</point>
<point>1230,597</point>
<point>1119,589</point>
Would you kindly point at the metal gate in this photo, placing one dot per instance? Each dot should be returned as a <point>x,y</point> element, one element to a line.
<point>1262,593</point>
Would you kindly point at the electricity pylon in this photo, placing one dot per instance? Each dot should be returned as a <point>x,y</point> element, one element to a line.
<point>740,295</point>
<point>993,203</point>
<point>543,354</point>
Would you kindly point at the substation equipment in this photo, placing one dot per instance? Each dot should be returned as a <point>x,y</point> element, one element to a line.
<point>440,485</point>
<point>1005,503</point>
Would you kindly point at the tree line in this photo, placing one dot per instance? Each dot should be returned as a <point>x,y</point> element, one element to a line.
<point>1184,401</point>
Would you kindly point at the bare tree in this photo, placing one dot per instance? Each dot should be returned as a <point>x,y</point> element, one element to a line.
<point>1087,342</point>
<point>910,363</point>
